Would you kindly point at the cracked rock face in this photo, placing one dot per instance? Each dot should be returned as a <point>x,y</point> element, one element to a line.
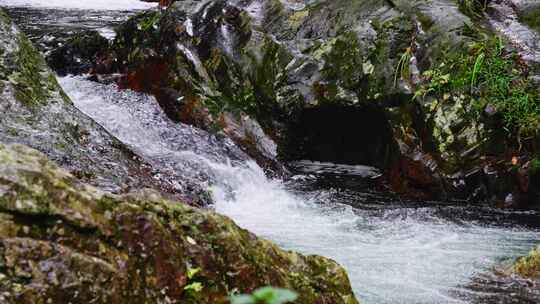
<point>63,241</point>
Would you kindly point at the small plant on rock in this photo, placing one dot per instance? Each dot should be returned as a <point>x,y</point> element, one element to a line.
<point>403,66</point>
<point>193,287</point>
<point>473,8</point>
<point>266,295</point>
<point>488,75</point>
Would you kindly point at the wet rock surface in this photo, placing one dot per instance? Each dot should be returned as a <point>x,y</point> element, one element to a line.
<point>63,241</point>
<point>514,281</point>
<point>518,22</point>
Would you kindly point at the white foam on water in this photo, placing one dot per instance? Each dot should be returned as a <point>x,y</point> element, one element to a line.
<point>390,258</point>
<point>81,4</point>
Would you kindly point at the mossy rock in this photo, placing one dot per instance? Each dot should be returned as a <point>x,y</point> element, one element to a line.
<point>62,241</point>
<point>277,60</point>
<point>23,67</point>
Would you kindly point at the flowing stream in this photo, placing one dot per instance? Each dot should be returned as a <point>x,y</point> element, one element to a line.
<point>394,252</point>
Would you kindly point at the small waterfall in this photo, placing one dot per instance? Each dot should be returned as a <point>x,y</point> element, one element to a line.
<point>393,254</point>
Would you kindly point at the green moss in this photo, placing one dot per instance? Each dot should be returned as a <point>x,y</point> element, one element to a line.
<point>343,61</point>
<point>473,8</point>
<point>534,167</point>
<point>31,86</point>
<point>134,37</point>
<point>251,88</point>
<point>296,19</point>
<point>4,17</point>
<point>532,18</point>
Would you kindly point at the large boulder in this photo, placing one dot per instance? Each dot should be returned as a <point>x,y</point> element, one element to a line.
<point>62,241</point>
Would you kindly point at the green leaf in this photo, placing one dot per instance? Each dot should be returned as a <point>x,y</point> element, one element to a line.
<point>477,67</point>
<point>192,272</point>
<point>242,299</point>
<point>195,286</point>
<point>270,295</point>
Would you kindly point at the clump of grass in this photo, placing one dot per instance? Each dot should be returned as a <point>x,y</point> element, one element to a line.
<point>149,22</point>
<point>504,85</point>
<point>487,74</point>
<point>473,8</point>
<point>403,67</point>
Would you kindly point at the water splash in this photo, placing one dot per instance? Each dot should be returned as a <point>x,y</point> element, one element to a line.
<point>398,255</point>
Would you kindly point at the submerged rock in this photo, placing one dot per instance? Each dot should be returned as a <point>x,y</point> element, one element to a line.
<point>62,241</point>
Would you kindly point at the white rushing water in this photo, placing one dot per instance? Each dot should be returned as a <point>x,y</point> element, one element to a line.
<point>402,255</point>
<point>81,4</point>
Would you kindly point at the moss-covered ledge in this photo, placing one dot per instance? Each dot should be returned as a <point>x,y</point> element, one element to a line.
<point>25,68</point>
<point>62,241</point>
